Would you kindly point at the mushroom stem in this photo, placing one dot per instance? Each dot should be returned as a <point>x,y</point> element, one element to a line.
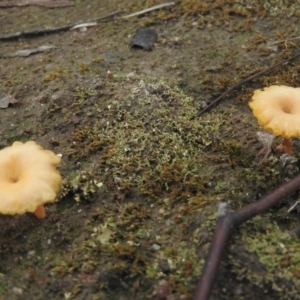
<point>40,212</point>
<point>287,146</point>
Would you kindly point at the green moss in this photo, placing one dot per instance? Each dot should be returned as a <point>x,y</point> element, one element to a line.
<point>147,146</point>
<point>272,259</point>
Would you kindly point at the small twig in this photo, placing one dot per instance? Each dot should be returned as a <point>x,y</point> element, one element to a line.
<point>90,24</point>
<point>293,206</point>
<point>286,40</point>
<point>224,228</point>
<point>49,4</point>
<point>37,32</point>
<point>218,99</point>
<point>27,52</point>
<point>148,10</point>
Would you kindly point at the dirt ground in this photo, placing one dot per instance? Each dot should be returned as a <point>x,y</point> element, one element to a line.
<point>143,175</point>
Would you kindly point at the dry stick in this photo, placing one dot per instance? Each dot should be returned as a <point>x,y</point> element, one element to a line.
<point>149,9</point>
<point>286,40</point>
<point>225,225</point>
<point>37,32</point>
<point>49,4</point>
<point>218,99</point>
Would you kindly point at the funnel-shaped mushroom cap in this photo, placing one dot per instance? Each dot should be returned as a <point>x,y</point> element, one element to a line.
<point>28,177</point>
<point>277,109</point>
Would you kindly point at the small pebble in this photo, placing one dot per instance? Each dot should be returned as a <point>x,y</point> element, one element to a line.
<point>17,291</point>
<point>155,247</point>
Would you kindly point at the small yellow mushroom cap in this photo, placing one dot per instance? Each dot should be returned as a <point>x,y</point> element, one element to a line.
<point>277,109</point>
<point>28,178</point>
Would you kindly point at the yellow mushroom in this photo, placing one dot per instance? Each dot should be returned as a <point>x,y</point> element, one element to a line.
<point>277,109</point>
<point>28,178</point>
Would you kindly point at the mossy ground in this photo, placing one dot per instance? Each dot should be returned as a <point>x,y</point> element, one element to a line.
<point>142,175</point>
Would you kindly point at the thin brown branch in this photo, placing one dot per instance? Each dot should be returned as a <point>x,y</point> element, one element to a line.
<point>44,3</point>
<point>218,99</point>
<point>225,226</point>
<point>43,31</point>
